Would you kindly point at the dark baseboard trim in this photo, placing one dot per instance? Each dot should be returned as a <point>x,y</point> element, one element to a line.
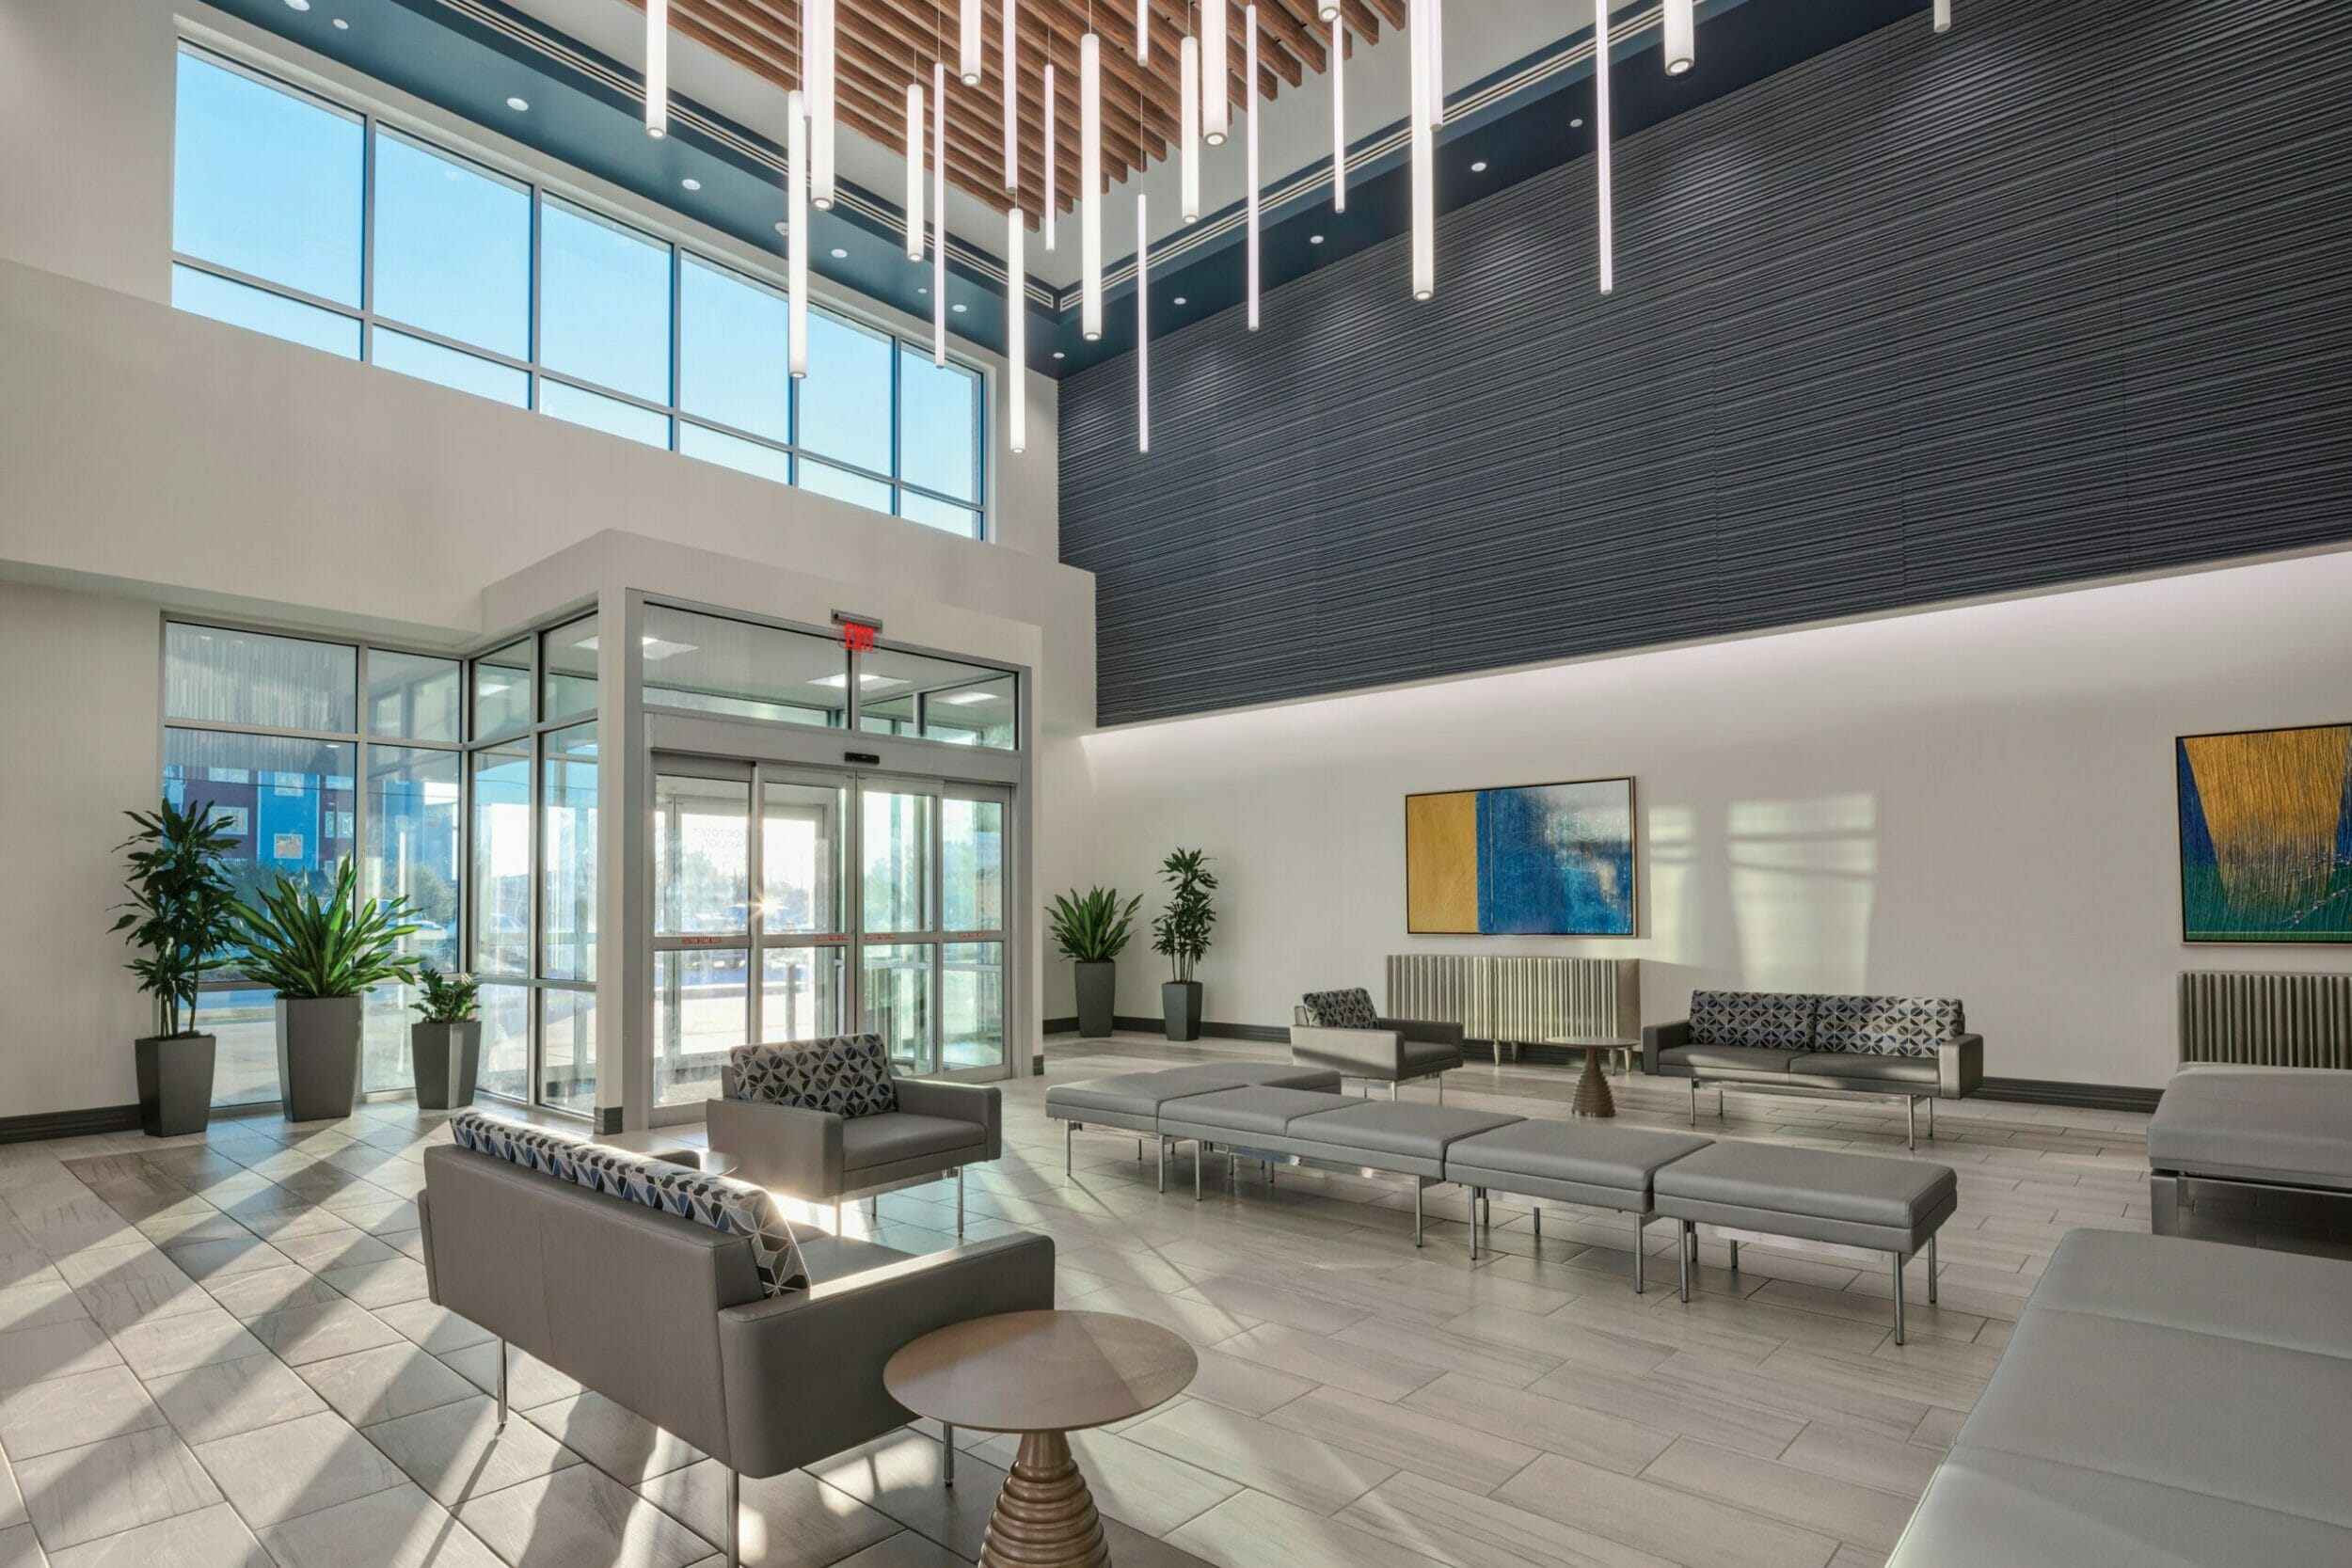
<point>1263,1033</point>
<point>2052,1091</point>
<point>1061,1027</point>
<point>69,1124</point>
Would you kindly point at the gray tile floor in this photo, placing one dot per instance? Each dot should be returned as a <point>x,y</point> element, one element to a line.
<point>217,1351</point>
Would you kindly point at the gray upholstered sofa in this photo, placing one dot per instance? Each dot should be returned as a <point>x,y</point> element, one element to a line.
<point>686,1298</point>
<point>1909,1047</point>
<point>827,1120</point>
<point>1338,1030</point>
<point>2275,1137</point>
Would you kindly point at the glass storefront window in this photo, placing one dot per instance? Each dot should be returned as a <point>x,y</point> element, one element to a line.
<point>413,696</point>
<point>213,676</point>
<point>709,664</point>
<point>501,861</point>
<point>570,662</point>
<point>501,689</point>
<point>567,918</point>
<point>938,699</point>
<point>416,836</point>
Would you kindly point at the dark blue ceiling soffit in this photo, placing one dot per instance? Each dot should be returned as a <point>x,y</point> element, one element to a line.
<point>468,57</point>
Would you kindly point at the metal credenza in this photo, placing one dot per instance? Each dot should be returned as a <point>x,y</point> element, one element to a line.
<point>1516,1002</point>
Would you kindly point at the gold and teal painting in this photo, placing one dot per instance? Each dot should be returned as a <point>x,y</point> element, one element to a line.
<point>1535,859</point>
<point>2267,836</point>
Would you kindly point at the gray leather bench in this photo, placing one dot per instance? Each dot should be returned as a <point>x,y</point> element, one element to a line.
<point>2267,1128</point>
<point>1606,1167</point>
<point>1132,1101</point>
<point>2163,1404</point>
<point>1861,1200</point>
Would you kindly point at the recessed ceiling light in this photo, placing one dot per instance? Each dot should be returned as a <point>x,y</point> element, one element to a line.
<point>1479,168</point>
<point>839,254</point>
<point>1577,124</point>
<point>957,307</point>
<point>1182,300</point>
<point>518,105</point>
<point>924,290</point>
<point>783,227</point>
<point>1059,355</point>
<point>341,26</point>
<point>863,681</point>
<point>692,183</point>
<point>297,5</point>
<point>1314,238</point>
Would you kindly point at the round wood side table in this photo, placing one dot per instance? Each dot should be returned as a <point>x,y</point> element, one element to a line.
<point>1593,1098</point>
<point>1043,1375</point>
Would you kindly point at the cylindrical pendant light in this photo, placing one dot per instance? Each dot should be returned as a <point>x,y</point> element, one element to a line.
<point>1216,69</point>
<point>1600,142</point>
<point>1942,16</point>
<point>1016,330</point>
<point>1053,113</point>
<point>1188,120</point>
<point>915,171</point>
<point>1339,119</point>
<point>1424,193</point>
<point>795,230</point>
<point>1012,99</point>
<point>1143,32</point>
<point>1437,62</point>
<point>1090,186</point>
<point>1328,12</point>
<point>969,40</point>
<point>656,68</point>
<point>1143,326</point>
<point>1681,36</point>
<point>821,97</point>
<point>1250,75</point>
<point>939,213</point>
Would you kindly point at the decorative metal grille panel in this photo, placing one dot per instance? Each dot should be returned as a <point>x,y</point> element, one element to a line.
<point>2267,1020</point>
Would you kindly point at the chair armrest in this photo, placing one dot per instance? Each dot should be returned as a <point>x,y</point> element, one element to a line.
<point>786,1148</point>
<point>982,1104</point>
<point>1429,1031</point>
<point>1351,1052</point>
<point>1657,1038</point>
<point>1960,1067</point>
<point>803,1370</point>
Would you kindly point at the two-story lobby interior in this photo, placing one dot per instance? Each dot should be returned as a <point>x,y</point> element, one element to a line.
<point>1373,784</point>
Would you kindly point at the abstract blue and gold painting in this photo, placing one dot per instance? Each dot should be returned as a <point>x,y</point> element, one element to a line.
<point>2267,836</point>
<point>1535,859</point>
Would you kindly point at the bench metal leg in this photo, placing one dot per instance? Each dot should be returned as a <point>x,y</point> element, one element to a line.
<point>1899,1297</point>
<point>1911,1121</point>
<point>947,1455</point>
<point>836,1216</point>
<point>501,1426</point>
<point>1641,1223</point>
<point>1694,1100</point>
<point>1931,1271</point>
<point>1160,1143</point>
<point>1418,1190</point>
<point>959,1203</point>
<point>1536,1212</point>
<point>1440,1077</point>
<point>1199,1148</point>
<point>1682,1255</point>
<point>2164,1204</point>
<point>1735,1256</point>
<point>1930,1118</point>
<point>735,1518</point>
<point>1069,1130</point>
<point>1232,1171</point>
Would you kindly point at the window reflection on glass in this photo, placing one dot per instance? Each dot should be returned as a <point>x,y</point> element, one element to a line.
<point>448,367</point>
<point>567,1028</point>
<point>800,995</point>
<point>801,853</point>
<point>567,931</point>
<point>501,689</point>
<point>569,658</point>
<point>701,856</point>
<point>289,803</point>
<point>898,1001</point>
<point>505,1066</point>
<point>733,452</point>
<point>259,311</point>
<point>938,699</point>
<point>501,864</point>
<point>972,1005</point>
<point>896,845</point>
<point>413,696</point>
<point>938,425</point>
<point>709,664</point>
<point>734,341</point>
<point>700,1013</point>
<point>246,677</point>
<point>972,864</point>
<point>844,400</point>
<point>453,247</point>
<point>574,405</point>
<point>415,822</point>
<point>267,182</point>
<point>243,1025</point>
<point>604,303</point>
<point>841,485</point>
<point>961,521</point>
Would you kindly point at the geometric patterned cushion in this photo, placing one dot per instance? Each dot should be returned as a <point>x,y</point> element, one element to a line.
<point>1774,1021</point>
<point>847,1074</point>
<point>1889,1025</point>
<point>723,1204</point>
<point>1341,1009</point>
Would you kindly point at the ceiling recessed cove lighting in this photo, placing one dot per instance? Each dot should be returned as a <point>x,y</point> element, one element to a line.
<point>692,183</point>
<point>1479,168</point>
<point>839,254</point>
<point>519,105</point>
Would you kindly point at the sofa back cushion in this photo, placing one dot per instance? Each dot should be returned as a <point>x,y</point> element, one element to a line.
<point>1351,1008</point>
<point>846,1074</point>
<point>1773,1021</point>
<point>1888,1025</point>
<point>733,1207</point>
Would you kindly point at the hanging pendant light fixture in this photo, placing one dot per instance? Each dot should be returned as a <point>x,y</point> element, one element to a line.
<point>656,68</point>
<point>1216,65</point>
<point>1188,122</point>
<point>939,213</point>
<point>915,171</point>
<point>1436,63</point>
<point>1053,113</point>
<point>1424,157</point>
<point>970,42</point>
<point>1016,330</point>
<point>1143,32</point>
<point>1249,75</point>
<point>1601,140</point>
<point>1143,326</point>
<point>1091,186</point>
<point>1012,98</point>
<point>795,230</point>
<point>1339,119</point>
<point>1942,16</point>
<point>1681,35</point>
<point>820,100</point>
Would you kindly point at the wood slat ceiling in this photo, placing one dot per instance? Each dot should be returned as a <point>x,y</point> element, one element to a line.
<point>881,45</point>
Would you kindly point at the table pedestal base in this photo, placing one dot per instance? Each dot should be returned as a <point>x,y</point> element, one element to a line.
<point>1045,1515</point>
<point>1593,1098</point>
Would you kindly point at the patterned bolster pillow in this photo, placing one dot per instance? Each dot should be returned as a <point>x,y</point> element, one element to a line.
<point>1767,1021</point>
<point>847,1074</point>
<point>1890,1025</point>
<point>734,1207</point>
<point>1341,1009</point>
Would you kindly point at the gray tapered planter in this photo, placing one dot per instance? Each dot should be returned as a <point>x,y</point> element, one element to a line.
<point>318,1057</point>
<point>175,1074</point>
<point>446,1057</point>
<point>1180,1008</point>
<point>1098,991</point>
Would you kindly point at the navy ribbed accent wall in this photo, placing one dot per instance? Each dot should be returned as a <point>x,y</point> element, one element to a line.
<point>2063,294</point>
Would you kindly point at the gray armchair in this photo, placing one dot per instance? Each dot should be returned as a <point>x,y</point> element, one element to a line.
<point>804,1120</point>
<point>1338,1030</point>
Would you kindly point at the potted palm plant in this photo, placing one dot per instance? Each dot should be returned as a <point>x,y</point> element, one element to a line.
<point>180,915</point>
<point>321,956</point>
<point>1092,930</point>
<point>445,1042</point>
<point>1181,935</point>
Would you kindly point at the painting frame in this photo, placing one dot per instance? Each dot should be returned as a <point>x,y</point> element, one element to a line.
<point>2192,937</point>
<point>1633,850</point>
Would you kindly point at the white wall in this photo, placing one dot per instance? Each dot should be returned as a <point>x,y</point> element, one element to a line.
<point>1974,802</point>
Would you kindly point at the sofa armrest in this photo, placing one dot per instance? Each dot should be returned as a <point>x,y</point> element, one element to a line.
<point>1350,1053</point>
<point>1658,1037</point>
<point>982,1104</point>
<point>786,1148</point>
<point>1960,1067</point>
<point>1429,1031</point>
<point>804,1369</point>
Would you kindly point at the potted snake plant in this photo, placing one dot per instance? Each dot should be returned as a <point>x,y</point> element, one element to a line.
<point>321,956</point>
<point>445,1042</point>
<point>1180,934</point>
<point>1092,930</point>
<point>180,915</point>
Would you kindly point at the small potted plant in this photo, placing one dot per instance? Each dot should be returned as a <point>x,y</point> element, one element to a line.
<point>321,956</point>
<point>1181,935</point>
<point>1092,930</point>
<point>445,1042</point>
<point>180,915</point>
